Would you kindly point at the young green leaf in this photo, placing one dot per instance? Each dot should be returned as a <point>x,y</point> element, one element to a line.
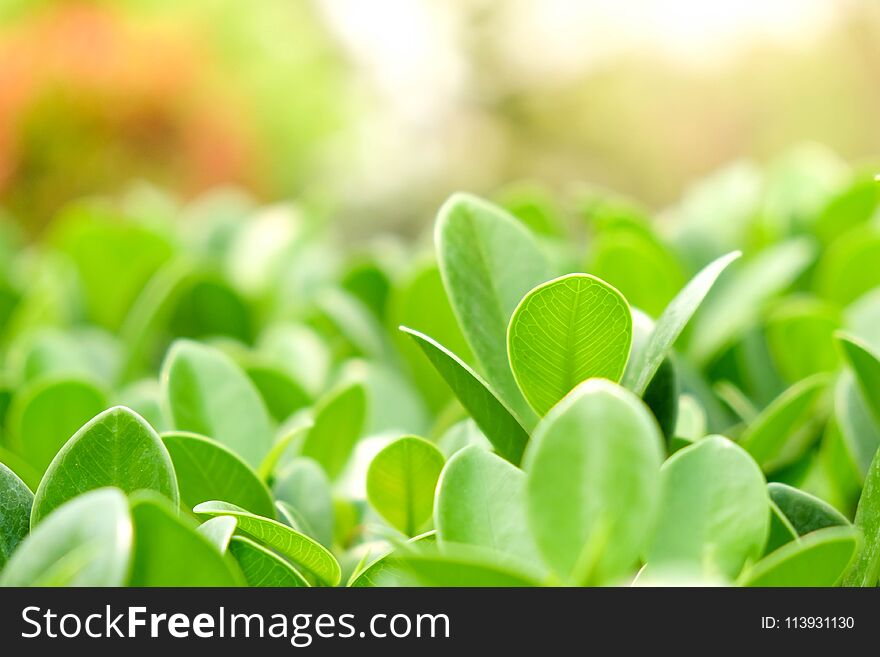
<point>866,367</point>
<point>305,487</point>
<point>46,413</point>
<point>493,417</point>
<point>714,510</point>
<point>116,448</point>
<point>488,261</point>
<point>15,513</point>
<point>401,480</point>
<point>169,551</point>
<point>859,431</point>
<point>818,559</point>
<point>262,567</point>
<point>672,322</point>
<point>805,512</point>
<point>339,421</point>
<point>565,331</point>
<point>206,470</point>
<point>208,394</point>
<point>282,394</point>
<point>593,482</point>
<point>865,570</point>
<point>473,568</point>
<point>481,500</point>
<point>85,542</point>
<point>301,550</point>
<point>777,436</point>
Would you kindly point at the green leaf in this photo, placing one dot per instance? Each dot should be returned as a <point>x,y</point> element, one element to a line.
<point>46,413</point>
<point>206,470</point>
<point>781,530</point>
<point>281,393</point>
<point>460,569</point>
<point>566,331</point>
<point>714,510</point>
<point>672,322</point>
<point>735,306</point>
<point>501,427</point>
<point>305,487</point>
<point>799,337</point>
<point>481,500</point>
<point>401,480</point>
<point>865,570</point>
<point>662,396</point>
<point>219,531</point>
<point>848,268</point>
<point>859,430</point>
<point>169,551</point>
<point>15,513</point>
<point>781,433</point>
<point>866,366</point>
<point>262,567</point>
<point>339,421</point>
<point>488,261</point>
<point>116,448</point>
<point>208,394</point>
<point>817,559</point>
<point>85,542</point>
<point>301,550</point>
<point>593,482</point>
<point>806,513</point>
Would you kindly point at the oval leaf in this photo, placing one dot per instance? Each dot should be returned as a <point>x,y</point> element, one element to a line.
<point>208,394</point>
<point>116,448</point>
<point>339,421</point>
<point>206,470</point>
<point>714,510</point>
<point>170,552</point>
<point>481,500</point>
<point>565,331</point>
<point>401,480</point>
<point>593,482</point>
<point>300,549</point>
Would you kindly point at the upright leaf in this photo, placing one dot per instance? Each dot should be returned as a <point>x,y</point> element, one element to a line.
<point>168,551</point>
<point>493,417</point>
<point>593,482</point>
<point>401,480</point>
<point>488,261</point>
<point>481,500</point>
<point>865,570</point>
<point>714,510</point>
<point>116,448</point>
<point>866,367</point>
<point>672,322</point>
<point>339,421</point>
<point>208,394</point>
<point>565,331</point>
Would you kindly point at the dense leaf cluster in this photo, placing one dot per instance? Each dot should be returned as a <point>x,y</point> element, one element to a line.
<point>556,395</point>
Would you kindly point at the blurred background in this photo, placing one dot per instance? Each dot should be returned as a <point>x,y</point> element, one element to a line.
<point>379,110</point>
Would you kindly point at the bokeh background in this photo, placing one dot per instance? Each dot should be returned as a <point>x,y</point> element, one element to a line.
<point>376,111</point>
